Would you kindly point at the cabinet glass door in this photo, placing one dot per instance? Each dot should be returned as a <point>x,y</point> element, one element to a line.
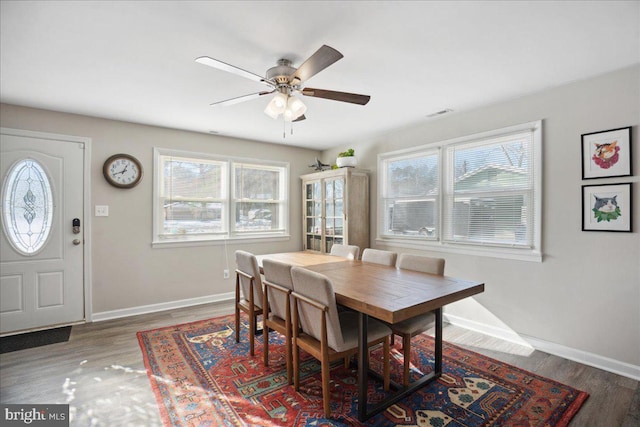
<point>313,216</point>
<point>333,212</point>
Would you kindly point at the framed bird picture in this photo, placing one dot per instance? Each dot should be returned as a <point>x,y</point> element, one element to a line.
<point>606,153</point>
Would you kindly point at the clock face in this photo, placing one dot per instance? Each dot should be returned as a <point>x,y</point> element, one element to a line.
<point>122,170</point>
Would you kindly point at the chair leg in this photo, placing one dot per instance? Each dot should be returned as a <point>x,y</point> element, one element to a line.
<point>265,347</point>
<point>326,392</point>
<point>287,353</point>
<point>237,324</point>
<point>385,368</point>
<point>252,333</point>
<point>406,350</point>
<point>296,365</point>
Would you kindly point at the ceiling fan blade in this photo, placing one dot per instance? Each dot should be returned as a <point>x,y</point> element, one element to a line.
<point>205,60</point>
<point>353,98</point>
<point>317,62</point>
<point>301,118</point>
<point>240,99</point>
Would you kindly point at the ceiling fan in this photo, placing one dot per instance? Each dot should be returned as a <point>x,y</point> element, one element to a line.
<point>286,81</point>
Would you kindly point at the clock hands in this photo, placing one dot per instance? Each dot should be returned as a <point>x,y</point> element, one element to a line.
<point>122,171</point>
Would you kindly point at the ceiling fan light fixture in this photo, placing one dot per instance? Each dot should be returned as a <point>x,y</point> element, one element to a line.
<point>295,108</point>
<point>276,106</point>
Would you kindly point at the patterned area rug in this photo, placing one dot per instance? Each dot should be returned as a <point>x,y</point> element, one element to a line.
<point>202,377</point>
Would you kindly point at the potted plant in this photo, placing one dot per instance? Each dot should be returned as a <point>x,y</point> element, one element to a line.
<point>347,159</point>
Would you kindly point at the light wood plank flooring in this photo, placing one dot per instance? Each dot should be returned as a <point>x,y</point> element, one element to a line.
<point>100,373</point>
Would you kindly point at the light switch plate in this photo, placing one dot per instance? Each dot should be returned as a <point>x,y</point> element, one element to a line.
<point>102,210</point>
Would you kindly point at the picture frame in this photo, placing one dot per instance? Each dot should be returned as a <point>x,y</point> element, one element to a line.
<point>607,207</point>
<point>607,153</point>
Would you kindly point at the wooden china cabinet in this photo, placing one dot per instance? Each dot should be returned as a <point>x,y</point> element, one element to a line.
<point>335,209</point>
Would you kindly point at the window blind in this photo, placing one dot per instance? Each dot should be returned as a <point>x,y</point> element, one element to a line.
<point>258,197</point>
<point>192,196</point>
<point>411,195</point>
<point>489,192</point>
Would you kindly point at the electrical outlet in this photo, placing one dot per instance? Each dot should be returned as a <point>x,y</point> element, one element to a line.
<point>225,274</point>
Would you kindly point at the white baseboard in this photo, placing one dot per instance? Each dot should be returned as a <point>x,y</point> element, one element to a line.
<point>494,331</point>
<point>601,362</point>
<point>597,361</point>
<point>152,308</point>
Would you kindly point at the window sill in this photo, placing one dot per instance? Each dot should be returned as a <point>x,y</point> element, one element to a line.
<point>531,255</point>
<point>167,244</point>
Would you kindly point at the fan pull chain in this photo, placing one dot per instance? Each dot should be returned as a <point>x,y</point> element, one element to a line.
<point>284,128</point>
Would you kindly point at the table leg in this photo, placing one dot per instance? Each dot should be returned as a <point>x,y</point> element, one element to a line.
<point>363,370</point>
<point>438,342</point>
<point>363,366</point>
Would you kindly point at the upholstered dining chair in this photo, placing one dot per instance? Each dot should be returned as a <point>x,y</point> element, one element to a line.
<point>324,333</point>
<point>345,251</point>
<point>378,256</point>
<point>415,325</point>
<point>249,296</point>
<point>277,304</point>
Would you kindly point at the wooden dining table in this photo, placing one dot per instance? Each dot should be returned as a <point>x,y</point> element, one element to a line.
<point>388,294</point>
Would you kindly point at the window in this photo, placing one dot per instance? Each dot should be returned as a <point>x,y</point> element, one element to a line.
<point>411,195</point>
<point>27,207</point>
<point>478,194</point>
<point>258,198</point>
<point>200,197</point>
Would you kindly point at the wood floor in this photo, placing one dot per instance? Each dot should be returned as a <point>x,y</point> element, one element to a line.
<point>100,373</point>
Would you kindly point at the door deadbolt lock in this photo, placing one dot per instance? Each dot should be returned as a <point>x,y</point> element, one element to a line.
<point>75,226</point>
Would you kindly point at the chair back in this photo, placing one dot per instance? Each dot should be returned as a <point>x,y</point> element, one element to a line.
<point>277,273</point>
<point>317,287</point>
<point>378,256</point>
<point>346,251</point>
<point>248,264</point>
<point>421,263</point>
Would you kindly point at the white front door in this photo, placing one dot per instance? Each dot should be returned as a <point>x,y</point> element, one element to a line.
<point>41,255</point>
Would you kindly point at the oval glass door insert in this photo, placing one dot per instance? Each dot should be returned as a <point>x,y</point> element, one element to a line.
<point>27,206</point>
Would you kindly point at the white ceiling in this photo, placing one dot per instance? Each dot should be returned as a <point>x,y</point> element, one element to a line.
<point>134,60</point>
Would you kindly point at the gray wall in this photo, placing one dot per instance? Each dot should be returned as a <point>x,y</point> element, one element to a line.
<point>126,271</point>
<point>585,295</point>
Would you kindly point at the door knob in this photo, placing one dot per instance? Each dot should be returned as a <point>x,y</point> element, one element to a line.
<point>76,242</point>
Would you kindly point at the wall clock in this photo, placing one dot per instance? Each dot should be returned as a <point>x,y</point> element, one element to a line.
<point>122,171</point>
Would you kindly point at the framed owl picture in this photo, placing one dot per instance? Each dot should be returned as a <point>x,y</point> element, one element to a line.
<point>607,207</point>
<point>606,153</point>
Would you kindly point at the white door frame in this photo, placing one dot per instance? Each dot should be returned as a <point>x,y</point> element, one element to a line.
<point>88,311</point>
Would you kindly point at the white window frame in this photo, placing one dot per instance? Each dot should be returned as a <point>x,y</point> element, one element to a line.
<point>227,199</point>
<point>440,244</point>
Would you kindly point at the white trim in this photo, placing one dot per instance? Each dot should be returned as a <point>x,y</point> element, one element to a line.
<point>467,249</point>
<point>493,331</point>
<point>164,244</point>
<point>86,142</point>
<point>597,361</point>
<point>153,308</point>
